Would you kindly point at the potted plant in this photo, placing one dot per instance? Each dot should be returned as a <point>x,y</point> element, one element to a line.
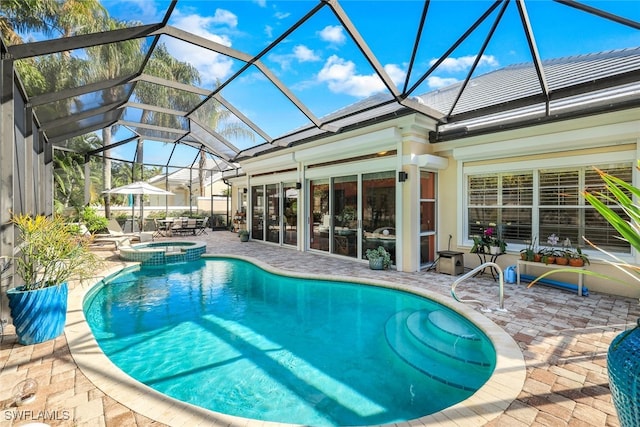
<point>478,245</point>
<point>562,257</point>
<point>50,253</point>
<point>379,258</point>
<point>528,253</point>
<point>243,235</point>
<point>577,258</point>
<point>550,253</point>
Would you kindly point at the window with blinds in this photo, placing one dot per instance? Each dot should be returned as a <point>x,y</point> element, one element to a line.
<point>542,202</point>
<point>501,201</point>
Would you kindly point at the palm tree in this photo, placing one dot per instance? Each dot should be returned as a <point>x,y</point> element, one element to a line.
<point>68,173</point>
<point>162,64</point>
<point>109,61</point>
<point>218,118</point>
<point>18,16</point>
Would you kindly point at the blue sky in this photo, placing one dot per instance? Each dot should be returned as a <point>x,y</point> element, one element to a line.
<point>322,66</point>
<point>325,70</point>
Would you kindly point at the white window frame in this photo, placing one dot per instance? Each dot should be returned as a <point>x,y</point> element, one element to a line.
<point>568,162</point>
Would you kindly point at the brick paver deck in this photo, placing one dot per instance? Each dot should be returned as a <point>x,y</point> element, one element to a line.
<point>563,337</point>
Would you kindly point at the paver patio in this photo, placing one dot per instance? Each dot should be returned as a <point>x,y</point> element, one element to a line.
<point>563,337</point>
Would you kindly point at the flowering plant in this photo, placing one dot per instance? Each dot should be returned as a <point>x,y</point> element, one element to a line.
<point>550,250</point>
<point>488,238</point>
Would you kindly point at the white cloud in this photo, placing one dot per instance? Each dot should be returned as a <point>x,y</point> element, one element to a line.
<point>268,30</point>
<point>224,17</point>
<point>281,15</point>
<point>332,34</point>
<point>464,63</point>
<point>436,82</point>
<point>261,3</point>
<point>340,76</point>
<point>211,65</point>
<point>300,53</point>
<point>396,73</point>
<point>304,54</point>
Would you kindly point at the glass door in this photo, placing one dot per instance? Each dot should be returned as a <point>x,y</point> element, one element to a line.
<point>427,218</point>
<point>379,212</point>
<point>273,213</point>
<point>290,213</point>
<point>257,212</point>
<point>345,216</point>
<point>320,220</point>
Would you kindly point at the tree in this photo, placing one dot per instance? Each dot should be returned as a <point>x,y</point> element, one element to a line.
<point>68,172</point>
<point>217,118</point>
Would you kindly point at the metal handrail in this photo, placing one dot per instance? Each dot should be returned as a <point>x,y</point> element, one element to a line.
<point>473,273</point>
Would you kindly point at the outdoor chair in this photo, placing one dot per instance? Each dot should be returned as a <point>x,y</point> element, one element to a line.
<point>190,225</point>
<point>202,226</point>
<point>114,230</point>
<point>162,228</point>
<point>179,226</point>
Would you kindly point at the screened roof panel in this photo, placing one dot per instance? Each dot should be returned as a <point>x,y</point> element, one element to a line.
<point>214,117</point>
<point>82,67</point>
<point>216,143</point>
<point>188,59</point>
<point>165,97</point>
<point>160,153</point>
<point>155,132</point>
<point>54,129</point>
<point>264,103</point>
<point>249,77</point>
<point>313,74</point>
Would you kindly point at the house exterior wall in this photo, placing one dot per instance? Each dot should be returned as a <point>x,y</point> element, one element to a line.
<point>610,137</point>
<point>581,141</point>
<point>404,142</point>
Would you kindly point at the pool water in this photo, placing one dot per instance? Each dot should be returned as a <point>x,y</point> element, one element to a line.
<point>228,336</point>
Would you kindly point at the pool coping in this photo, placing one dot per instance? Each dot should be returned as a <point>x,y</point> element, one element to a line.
<point>489,402</point>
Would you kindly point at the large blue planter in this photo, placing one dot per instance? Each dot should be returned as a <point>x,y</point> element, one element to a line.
<point>38,315</point>
<point>623,364</point>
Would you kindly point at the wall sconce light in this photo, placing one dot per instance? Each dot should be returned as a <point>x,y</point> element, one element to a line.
<point>298,185</point>
<point>402,176</point>
<point>244,190</point>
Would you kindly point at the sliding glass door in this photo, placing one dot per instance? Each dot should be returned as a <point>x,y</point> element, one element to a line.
<point>273,213</point>
<point>290,194</point>
<point>276,206</point>
<point>345,216</point>
<point>379,212</point>
<point>353,213</point>
<point>320,215</point>
<point>257,212</point>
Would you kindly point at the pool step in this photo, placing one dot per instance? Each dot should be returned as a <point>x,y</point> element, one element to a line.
<point>440,331</point>
<point>443,350</point>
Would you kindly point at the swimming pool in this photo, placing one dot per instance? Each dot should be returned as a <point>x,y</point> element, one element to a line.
<point>329,353</point>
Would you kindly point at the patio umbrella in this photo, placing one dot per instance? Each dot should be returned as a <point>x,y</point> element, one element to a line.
<point>139,188</point>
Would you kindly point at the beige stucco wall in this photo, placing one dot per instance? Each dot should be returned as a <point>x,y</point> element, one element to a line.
<point>592,137</point>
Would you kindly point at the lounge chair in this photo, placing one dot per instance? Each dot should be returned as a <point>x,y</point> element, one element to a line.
<point>115,231</point>
<point>101,239</point>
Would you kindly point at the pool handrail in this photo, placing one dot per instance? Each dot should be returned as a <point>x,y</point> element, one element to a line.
<point>475,271</point>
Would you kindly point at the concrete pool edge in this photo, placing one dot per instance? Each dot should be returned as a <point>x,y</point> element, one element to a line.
<point>490,401</point>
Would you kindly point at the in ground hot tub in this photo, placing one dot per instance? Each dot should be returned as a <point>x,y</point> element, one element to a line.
<point>161,253</point>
